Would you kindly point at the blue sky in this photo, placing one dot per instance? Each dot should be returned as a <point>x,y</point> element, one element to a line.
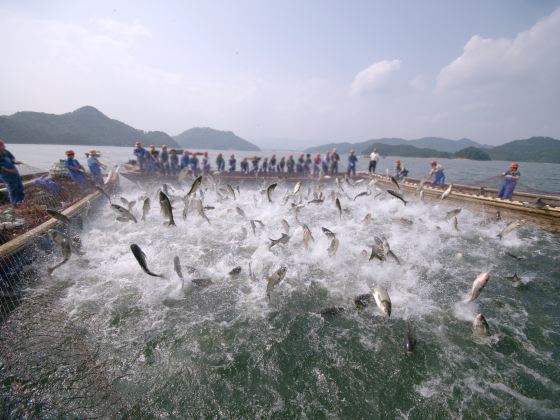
<point>292,73</point>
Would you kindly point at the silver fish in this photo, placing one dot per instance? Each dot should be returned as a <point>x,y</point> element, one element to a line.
<point>282,240</point>
<point>297,187</point>
<point>409,340</point>
<point>480,325</point>
<point>166,208</point>
<point>455,223</point>
<point>195,185</point>
<point>269,191</point>
<point>478,284</point>
<point>123,213</point>
<point>366,219</point>
<point>447,192</point>
<point>177,266</point>
<point>66,253</point>
<point>397,195</point>
<point>307,235</point>
<point>200,209</point>
<point>511,227</point>
<point>58,216</point>
<point>230,190</point>
<point>339,207</point>
<point>382,300</point>
<point>275,279</point>
<point>395,182</point>
<point>286,226</point>
<point>450,214</point>
<point>361,195</point>
<point>333,247</point>
<point>141,258</point>
<point>240,212</point>
<point>145,208</point>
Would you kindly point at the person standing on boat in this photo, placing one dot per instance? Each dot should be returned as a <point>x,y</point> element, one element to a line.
<point>325,163</point>
<point>308,163</point>
<point>194,164</point>
<point>10,175</point>
<point>439,176</point>
<point>373,158</point>
<point>156,167</point>
<point>255,164</point>
<point>290,164</point>
<point>232,164</point>
<point>140,154</point>
<point>95,167</point>
<point>511,176</point>
<point>334,162</point>
<point>317,165</point>
<point>220,162</point>
<point>173,162</point>
<point>264,166</point>
<point>164,160</point>
<point>272,165</point>
<point>282,164</point>
<point>400,170</point>
<point>300,164</point>
<point>244,166</point>
<point>185,160</point>
<point>352,160</point>
<point>76,171</point>
<point>206,163</point>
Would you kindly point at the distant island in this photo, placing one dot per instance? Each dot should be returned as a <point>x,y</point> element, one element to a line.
<point>89,126</point>
<point>534,149</point>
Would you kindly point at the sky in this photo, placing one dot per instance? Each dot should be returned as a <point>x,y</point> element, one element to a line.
<point>291,74</point>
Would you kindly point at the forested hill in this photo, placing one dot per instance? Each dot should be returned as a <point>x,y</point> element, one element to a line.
<point>208,138</point>
<point>85,125</point>
<point>534,149</point>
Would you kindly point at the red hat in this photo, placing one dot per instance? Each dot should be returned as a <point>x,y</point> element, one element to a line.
<point>1,143</point>
<point>433,162</point>
<point>514,165</point>
<point>397,161</point>
<point>69,152</point>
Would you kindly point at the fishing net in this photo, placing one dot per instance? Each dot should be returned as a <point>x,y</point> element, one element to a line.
<point>48,368</point>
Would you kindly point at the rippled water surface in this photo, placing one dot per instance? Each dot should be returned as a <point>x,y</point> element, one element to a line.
<point>228,351</point>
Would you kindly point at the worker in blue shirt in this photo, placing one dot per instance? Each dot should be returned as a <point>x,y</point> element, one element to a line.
<point>244,166</point>
<point>185,160</point>
<point>400,171</point>
<point>194,164</point>
<point>140,154</point>
<point>76,171</point>
<point>95,167</point>
<point>510,181</point>
<point>10,175</point>
<point>220,162</point>
<point>439,176</point>
<point>352,159</point>
<point>164,160</point>
<point>173,162</point>
<point>232,163</point>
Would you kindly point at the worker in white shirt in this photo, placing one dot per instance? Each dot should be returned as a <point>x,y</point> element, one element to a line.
<point>373,158</point>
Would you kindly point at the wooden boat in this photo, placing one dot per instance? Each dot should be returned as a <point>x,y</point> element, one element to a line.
<point>36,220</point>
<point>540,209</point>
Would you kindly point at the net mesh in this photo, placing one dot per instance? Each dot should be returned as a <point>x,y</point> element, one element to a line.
<point>48,368</point>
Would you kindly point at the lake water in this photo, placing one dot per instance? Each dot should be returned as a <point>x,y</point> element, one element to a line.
<point>538,176</point>
<point>164,350</point>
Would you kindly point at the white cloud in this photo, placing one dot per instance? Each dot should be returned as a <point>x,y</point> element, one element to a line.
<point>531,56</point>
<point>375,77</point>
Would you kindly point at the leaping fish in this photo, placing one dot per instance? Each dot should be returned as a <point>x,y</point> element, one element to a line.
<point>447,192</point>
<point>478,284</point>
<point>141,258</point>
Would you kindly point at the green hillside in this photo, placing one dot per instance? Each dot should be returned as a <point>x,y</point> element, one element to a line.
<point>404,150</point>
<point>534,149</point>
<point>86,125</point>
<point>208,138</point>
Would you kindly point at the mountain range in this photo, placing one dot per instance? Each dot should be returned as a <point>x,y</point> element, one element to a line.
<point>89,126</point>
<point>534,149</point>
<point>435,143</point>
